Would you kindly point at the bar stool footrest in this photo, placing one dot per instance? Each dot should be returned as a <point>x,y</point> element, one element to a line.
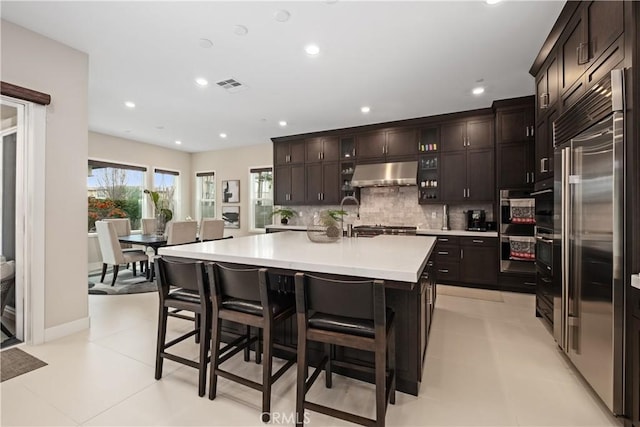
<point>347,416</point>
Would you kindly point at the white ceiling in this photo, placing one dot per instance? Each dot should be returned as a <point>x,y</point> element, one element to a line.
<point>403,59</point>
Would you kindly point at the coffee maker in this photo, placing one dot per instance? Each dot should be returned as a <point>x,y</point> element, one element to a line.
<point>476,220</point>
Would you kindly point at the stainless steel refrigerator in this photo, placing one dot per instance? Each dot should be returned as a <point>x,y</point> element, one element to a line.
<point>588,238</point>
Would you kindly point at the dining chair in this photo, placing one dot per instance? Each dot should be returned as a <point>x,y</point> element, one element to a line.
<point>179,232</point>
<point>113,254</point>
<point>123,228</point>
<point>211,229</point>
<point>7,289</point>
<point>346,313</point>
<point>149,225</point>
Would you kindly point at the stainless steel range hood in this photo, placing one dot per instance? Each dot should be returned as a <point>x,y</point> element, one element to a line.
<point>385,174</point>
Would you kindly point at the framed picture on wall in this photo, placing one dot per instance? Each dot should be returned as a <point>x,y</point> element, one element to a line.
<point>231,216</point>
<point>231,191</point>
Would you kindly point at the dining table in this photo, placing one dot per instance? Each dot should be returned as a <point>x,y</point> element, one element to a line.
<point>154,241</point>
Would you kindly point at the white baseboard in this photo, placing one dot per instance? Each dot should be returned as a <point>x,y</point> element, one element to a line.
<point>65,329</point>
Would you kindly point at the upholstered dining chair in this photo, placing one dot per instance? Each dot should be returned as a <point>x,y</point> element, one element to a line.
<point>149,225</point>
<point>179,232</point>
<point>113,254</point>
<point>211,229</point>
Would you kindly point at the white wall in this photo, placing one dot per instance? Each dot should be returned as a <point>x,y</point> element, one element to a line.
<point>233,164</point>
<point>36,62</point>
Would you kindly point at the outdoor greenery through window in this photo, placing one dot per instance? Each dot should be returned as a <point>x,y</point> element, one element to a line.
<point>261,193</point>
<point>206,194</point>
<point>166,184</point>
<point>114,191</point>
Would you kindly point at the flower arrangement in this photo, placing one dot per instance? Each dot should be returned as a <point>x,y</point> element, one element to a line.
<point>101,209</point>
<point>158,204</point>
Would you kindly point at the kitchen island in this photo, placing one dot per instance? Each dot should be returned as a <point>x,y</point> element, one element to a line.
<point>402,263</point>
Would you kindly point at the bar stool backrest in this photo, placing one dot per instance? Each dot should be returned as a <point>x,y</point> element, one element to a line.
<point>241,283</point>
<point>347,298</point>
<point>185,275</point>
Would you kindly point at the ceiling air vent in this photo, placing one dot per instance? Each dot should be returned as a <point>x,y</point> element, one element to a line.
<point>231,85</point>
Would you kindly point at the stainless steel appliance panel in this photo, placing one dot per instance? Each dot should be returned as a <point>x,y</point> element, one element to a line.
<point>589,239</point>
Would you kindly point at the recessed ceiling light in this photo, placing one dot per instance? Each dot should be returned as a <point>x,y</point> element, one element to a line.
<point>282,15</point>
<point>223,135</point>
<point>312,49</point>
<point>205,43</point>
<point>130,104</point>
<point>202,81</point>
<point>282,123</point>
<point>240,30</point>
<point>478,90</point>
<point>493,1</point>
<point>365,110</point>
<point>178,142</point>
<point>160,127</point>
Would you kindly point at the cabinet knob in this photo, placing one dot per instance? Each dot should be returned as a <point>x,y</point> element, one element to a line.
<point>544,101</point>
<point>582,53</point>
<point>478,241</point>
<point>544,161</point>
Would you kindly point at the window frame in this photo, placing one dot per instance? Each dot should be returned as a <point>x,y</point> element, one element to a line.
<point>198,194</point>
<point>130,166</point>
<point>177,195</point>
<point>252,213</point>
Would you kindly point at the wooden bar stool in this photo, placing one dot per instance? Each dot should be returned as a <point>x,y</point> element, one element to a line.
<point>350,314</point>
<point>192,295</point>
<point>242,295</point>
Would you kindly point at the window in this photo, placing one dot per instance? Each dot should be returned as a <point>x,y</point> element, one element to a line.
<point>206,195</point>
<point>114,191</point>
<point>166,184</point>
<point>261,197</point>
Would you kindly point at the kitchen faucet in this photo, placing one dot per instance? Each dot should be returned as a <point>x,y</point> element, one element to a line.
<point>344,199</point>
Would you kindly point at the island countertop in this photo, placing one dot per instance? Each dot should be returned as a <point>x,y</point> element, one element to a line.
<point>384,257</point>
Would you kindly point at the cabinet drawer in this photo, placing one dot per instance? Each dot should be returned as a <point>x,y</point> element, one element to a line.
<point>446,253</point>
<point>477,241</point>
<point>447,272</point>
<point>448,240</point>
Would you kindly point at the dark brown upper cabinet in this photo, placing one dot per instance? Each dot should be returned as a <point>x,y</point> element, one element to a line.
<point>547,86</point>
<point>323,183</point>
<point>289,152</point>
<point>468,175</point>
<point>472,133</point>
<point>371,145</point>
<point>387,145</point>
<point>516,165</point>
<point>289,184</point>
<point>544,151</point>
<point>515,132</point>
<point>515,124</point>
<point>574,53</point>
<point>605,23</point>
<point>322,149</point>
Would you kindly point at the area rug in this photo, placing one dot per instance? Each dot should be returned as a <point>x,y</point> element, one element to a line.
<point>14,362</point>
<point>126,283</point>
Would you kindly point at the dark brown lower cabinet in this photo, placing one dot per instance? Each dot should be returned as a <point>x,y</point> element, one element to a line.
<point>479,260</point>
<point>465,260</point>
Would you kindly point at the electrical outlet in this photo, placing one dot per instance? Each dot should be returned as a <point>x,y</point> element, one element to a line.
<point>434,215</point>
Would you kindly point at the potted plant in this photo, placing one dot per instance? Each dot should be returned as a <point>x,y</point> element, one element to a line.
<point>285,214</point>
<point>162,214</point>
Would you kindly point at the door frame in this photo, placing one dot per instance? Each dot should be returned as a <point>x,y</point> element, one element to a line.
<point>30,218</point>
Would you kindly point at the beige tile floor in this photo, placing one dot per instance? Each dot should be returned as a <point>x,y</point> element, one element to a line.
<point>490,362</point>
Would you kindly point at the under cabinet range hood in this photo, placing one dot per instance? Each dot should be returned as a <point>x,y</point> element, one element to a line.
<point>385,174</point>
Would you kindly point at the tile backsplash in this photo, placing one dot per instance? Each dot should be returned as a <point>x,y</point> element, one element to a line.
<point>397,206</point>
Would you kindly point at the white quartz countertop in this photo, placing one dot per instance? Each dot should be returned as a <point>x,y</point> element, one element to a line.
<point>396,258</point>
<point>464,233</point>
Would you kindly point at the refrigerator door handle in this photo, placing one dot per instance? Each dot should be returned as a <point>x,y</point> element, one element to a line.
<point>565,247</point>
